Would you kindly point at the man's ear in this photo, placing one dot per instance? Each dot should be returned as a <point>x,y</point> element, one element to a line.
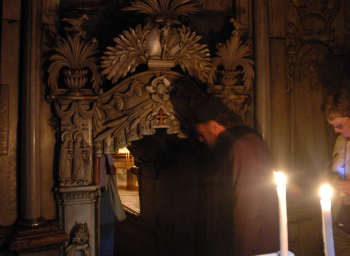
<point>212,125</point>
<point>215,128</point>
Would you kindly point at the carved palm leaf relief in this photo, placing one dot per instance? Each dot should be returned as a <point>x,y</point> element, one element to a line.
<point>129,52</point>
<point>77,56</point>
<point>234,58</point>
<point>162,8</point>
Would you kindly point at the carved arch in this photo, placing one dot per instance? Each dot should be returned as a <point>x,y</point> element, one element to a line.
<point>141,104</point>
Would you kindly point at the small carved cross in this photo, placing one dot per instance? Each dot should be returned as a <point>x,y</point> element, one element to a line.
<point>161,117</point>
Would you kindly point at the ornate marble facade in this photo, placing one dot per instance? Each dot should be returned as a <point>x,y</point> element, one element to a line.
<point>286,55</point>
<point>93,122</point>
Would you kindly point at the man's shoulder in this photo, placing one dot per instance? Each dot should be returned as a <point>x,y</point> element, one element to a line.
<point>243,134</point>
<point>247,137</point>
<point>243,131</point>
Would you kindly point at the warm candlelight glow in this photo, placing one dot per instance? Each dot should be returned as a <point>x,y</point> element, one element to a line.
<point>129,159</point>
<point>327,223</point>
<point>280,178</point>
<point>123,151</point>
<point>326,191</point>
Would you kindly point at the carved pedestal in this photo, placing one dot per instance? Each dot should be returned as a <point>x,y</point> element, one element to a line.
<point>26,240</point>
<point>77,194</point>
<point>78,215</point>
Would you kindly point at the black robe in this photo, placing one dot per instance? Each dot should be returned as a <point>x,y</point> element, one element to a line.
<point>250,205</point>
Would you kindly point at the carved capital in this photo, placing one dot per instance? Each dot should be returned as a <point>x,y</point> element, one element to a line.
<point>86,193</point>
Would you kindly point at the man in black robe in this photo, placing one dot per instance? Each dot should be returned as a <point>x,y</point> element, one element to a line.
<point>243,158</point>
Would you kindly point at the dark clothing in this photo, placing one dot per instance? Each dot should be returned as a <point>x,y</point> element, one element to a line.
<point>252,201</point>
<point>106,224</point>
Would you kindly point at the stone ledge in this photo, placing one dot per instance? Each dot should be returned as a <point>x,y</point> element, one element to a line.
<point>48,236</point>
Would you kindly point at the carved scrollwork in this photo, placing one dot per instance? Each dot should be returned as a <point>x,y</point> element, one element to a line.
<point>78,195</point>
<point>76,110</point>
<point>312,51</point>
<point>238,103</point>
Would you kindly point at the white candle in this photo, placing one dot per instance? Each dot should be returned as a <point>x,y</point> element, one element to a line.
<point>326,194</point>
<point>280,179</point>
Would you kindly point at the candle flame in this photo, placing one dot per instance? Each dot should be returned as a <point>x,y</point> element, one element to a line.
<point>280,178</point>
<point>326,191</point>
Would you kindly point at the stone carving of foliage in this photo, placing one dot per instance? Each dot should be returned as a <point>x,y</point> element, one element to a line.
<point>160,8</point>
<point>233,67</point>
<point>77,56</point>
<point>129,52</point>
<point>234,59</point>
<point>193,57</point>
<point>131,49</point>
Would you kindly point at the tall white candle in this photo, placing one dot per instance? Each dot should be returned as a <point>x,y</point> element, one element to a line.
<point>326,194</point>
<point>280,179</point>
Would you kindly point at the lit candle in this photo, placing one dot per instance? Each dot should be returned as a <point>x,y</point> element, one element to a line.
<point>326,193</point>
<point>280,179</point>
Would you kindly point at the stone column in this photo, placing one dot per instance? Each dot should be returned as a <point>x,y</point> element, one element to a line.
<point>30,137</point>
<point>262,69</point>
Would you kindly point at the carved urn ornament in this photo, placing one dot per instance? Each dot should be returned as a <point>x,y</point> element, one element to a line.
<point>76,57</point>
<point>234,67</point>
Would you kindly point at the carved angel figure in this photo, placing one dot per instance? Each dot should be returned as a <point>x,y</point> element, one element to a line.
<point>65,163</point>
<point>78,159</point>
<point>165,34</point>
